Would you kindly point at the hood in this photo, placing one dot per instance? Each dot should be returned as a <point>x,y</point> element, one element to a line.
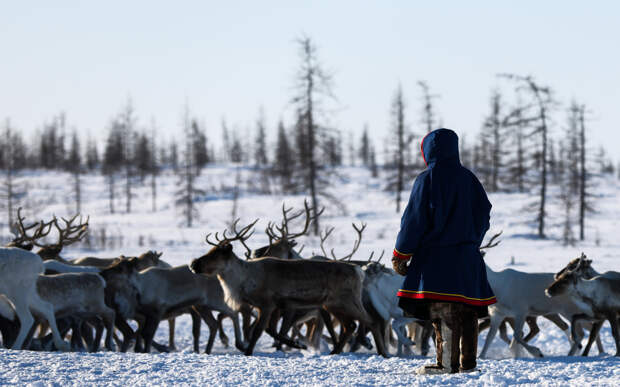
<point>440,144</point>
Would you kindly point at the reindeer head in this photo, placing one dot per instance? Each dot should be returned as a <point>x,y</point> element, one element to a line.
<point>281,239</point>
<point>148,259</point>
<point>221,254</point>
<point>282,248</point>
<point>215,261</point>
<point>584,265</point>
<point>566,281</point>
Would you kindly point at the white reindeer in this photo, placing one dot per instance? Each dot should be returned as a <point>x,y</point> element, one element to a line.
<point>19,271</point>
<point>519,295</point>
<point>381,285</point>
<point>598,297</point>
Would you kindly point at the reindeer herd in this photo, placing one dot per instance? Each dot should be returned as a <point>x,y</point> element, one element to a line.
<point>273,289</point>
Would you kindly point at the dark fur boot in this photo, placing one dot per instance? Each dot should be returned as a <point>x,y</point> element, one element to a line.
<point>469,340</point>
<point>447,323</point>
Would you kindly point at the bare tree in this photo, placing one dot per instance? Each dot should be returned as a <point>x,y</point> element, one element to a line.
<point>13,158</point>
<point>201,154</point>
<point>494,129</point>
<point>568,237</point>
<point>374,169</point>
<point>584,205</point>
<point>113,159</point>
<point>284,162</point>
<point>260,148</point>
<point>154,169</point>
<point>127,120</point>
<point>402,139</point>
<point>364,151</point>
<point>311,82</point>
<point>542,102</point>
<point>428,111</point>
<point>187,192</point>
<point>92,154</point>
<point>75,167</point>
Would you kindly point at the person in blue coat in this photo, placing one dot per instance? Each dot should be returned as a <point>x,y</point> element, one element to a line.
<point>441,231</point>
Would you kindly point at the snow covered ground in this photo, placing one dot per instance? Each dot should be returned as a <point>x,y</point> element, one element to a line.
<point>363,200</point>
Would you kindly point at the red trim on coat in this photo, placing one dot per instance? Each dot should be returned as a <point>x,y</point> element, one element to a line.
<point>399,255</point>
<point>422,148</point>
<point>439,297</point>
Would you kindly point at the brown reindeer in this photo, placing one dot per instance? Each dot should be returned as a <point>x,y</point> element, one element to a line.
<point>271,283</point>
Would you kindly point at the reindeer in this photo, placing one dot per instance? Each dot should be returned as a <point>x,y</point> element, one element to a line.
<point>530,300</point>
<point>18,283</point>
<point>598,296</point>
<point>281,245</point>
<point>271,283</point>
<point>149,259</point>
<point>76,297</point>
<point>162,293</point>
<point>146,260</point>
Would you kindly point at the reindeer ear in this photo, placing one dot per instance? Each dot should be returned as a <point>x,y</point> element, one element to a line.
<point>228,247</point>
<point>293,243</point>
<point>159,254</point>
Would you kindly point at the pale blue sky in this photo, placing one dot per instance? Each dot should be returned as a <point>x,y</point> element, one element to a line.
<point>229,58</point>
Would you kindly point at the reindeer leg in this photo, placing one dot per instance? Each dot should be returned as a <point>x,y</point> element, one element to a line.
<point>613,321</point>
<point>596,327</point>
<point>128,333</point>
<point>517,338</point>
<point>272,328</point>
<point>195,329</point>
<point>399,327</point>
<point>377,334</point>
<point>534,328</point>
<point>496,320</point>
<point>287,322</point>
<point>557,320</point>
<point>223,338</point>
<point>485,324</point>
<point>264,316</point>
<point>108,316</point>
<point>76,334</point>
<point>348,327</point>
<point>171,326</point>
<point>246,315</point>
<point>327,320</point>
<point>87,334</point>
<point>150,327</point>
<point>576,334</point>
<point>211,322</point>
<point>503,333</point>
<point>47,311</point>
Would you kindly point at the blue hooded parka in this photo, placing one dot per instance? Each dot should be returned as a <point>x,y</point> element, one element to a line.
<point>442,229</point>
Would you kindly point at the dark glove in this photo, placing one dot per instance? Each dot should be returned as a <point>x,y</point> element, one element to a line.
<point>400,265</point>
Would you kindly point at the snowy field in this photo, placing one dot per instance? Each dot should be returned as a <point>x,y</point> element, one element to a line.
<point>363,200</point>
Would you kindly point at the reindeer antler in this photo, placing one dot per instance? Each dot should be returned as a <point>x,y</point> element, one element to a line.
<point>378,259</point>
<point>240,235</point>
<point>282,231</point>
<point>356,244</point>
<point>71,233</point>
<point>324,235</point>
<point>21,231</point>
<point>490,243</point>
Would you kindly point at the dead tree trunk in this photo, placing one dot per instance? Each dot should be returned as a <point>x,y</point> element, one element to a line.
<point>542,101</point>
<point>582,172</point>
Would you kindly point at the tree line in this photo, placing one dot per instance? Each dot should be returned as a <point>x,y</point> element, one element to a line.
<point>518,148</point>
